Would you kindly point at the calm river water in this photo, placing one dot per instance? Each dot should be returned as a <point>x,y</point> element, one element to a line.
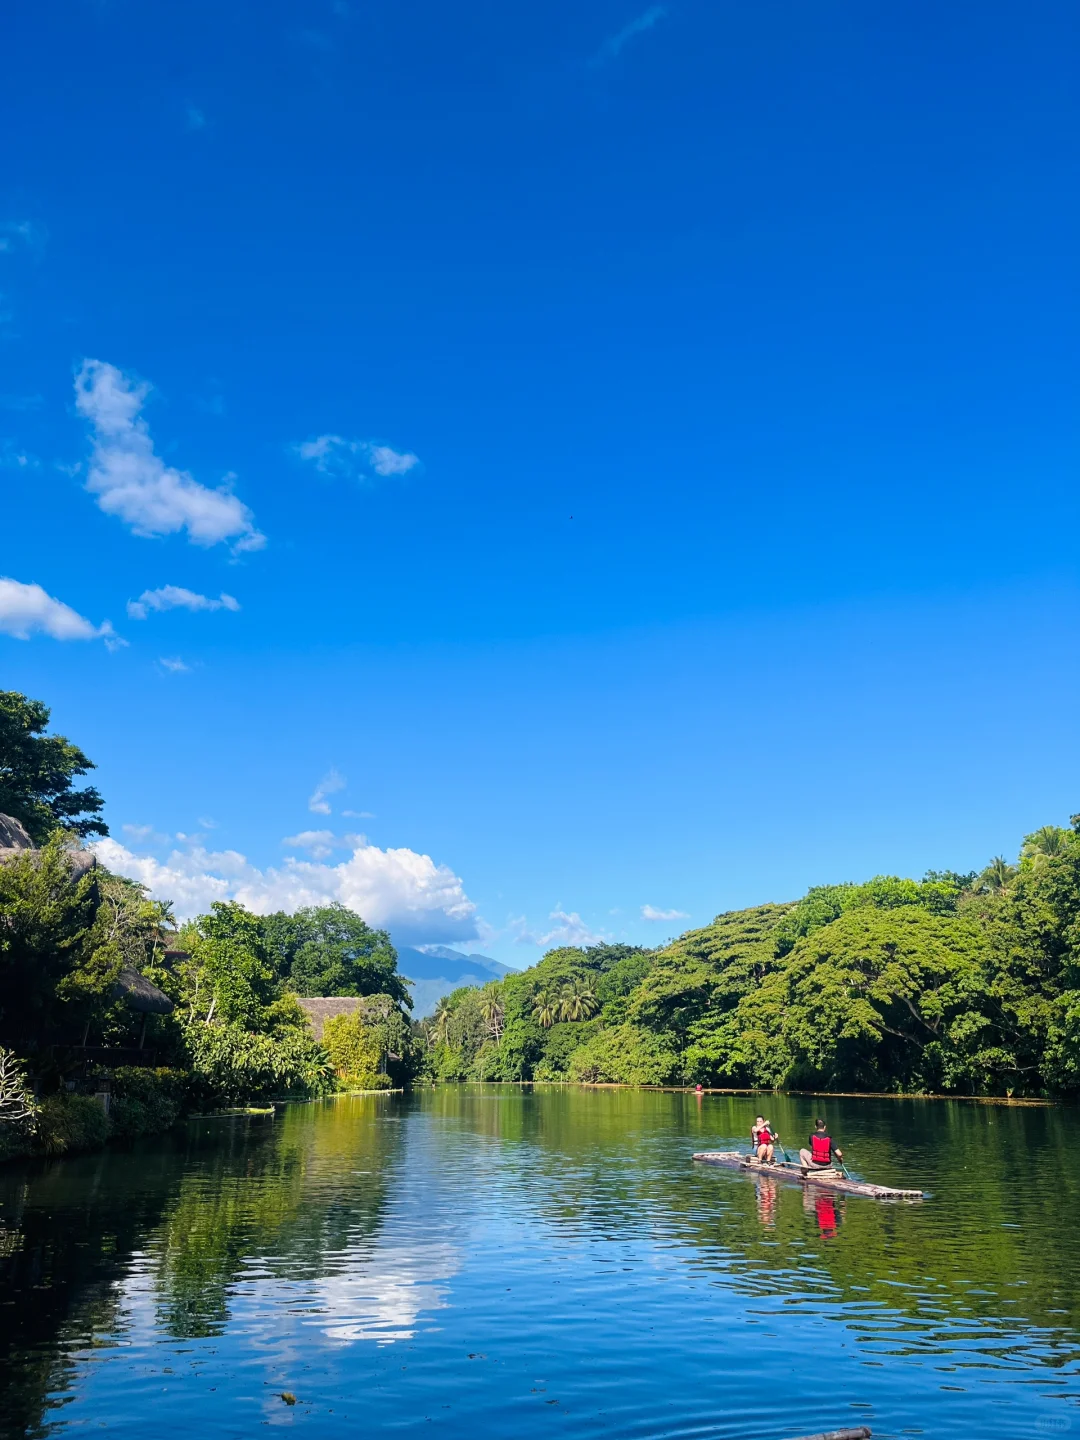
<point>537,1263</point>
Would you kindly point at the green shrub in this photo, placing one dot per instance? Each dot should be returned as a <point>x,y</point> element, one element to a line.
<point>70,1122</point>
<point>626,1055</point>
<point>146,1102</point>
<point>355,1050</point>
<point>560,1043</point>
<point>230,1064</point>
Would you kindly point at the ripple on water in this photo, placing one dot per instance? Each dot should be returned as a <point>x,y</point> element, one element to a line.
<point>495,1260</point>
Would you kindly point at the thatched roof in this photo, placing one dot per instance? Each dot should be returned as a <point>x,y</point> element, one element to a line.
<point>139,994</point>
<point>321,1008</point>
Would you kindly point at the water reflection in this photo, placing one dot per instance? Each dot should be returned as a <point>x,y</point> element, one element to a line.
<point>451,1257</point>
<point>380,1295</point>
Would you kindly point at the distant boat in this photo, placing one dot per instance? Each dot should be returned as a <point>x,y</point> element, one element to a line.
<point>791,1170</point>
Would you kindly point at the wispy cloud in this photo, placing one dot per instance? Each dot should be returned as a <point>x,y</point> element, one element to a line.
<point>174,665</point>
<point>175,597</point>
<point>22,235</point>
<point>330,784</point>
<point>614,45</point>
<point>569,929</point>
<point>134,484</point>
<point>194,118</point>
<point>145,834</point>
<point>650,912</point>
<point>27,610</point>
<point>320,843</point>
<point>355,459</point>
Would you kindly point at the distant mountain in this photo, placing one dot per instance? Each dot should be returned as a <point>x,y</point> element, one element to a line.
<point>437,971</point>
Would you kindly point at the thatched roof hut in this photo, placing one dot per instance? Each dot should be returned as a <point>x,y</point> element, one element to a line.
<point>321,1008</point>
<point>140,994</point>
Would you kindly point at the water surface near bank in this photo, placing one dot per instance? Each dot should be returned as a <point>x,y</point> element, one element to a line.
<point>494,1260</point>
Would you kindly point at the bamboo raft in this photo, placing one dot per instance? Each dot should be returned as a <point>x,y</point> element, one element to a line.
<point>830,1179</point>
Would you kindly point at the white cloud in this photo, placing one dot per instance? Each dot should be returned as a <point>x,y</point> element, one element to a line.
<point>174,665</point>
<point>330,784</point>
<point>650,912</point>
<point>399,889</point>
<point>134,484</point>
<point>145,833</point>
<point>334,455</point>
<point>13,457</point>
<point>27,610</point>
<point>321,843</point>
<point>175,597</point>
<point>570,929</point>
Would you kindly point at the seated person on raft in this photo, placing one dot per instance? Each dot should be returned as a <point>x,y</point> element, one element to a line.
<point>762,1140</point>
<point>822,1151</point>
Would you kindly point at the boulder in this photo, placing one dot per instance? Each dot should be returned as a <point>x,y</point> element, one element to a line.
<point>14,840</point>
<point>13,836</point>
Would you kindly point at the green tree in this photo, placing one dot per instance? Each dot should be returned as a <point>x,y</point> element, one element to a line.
<point>330,950</point>
<point>1046,843</point>
<point>356,1050</point>
<point>230,978</point>
<point>492,1010</point>
<point>577,1001</point>
<point>997,876</point>
<point>627,1055</point>
<point>880,999</point>
<point>46,920</point>
<point>38,771</point>
<point>545,1008</point>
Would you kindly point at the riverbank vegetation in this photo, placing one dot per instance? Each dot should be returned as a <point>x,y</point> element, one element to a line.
<point>956,983</point>
<point>116,1021</point>
<point>963,984</point>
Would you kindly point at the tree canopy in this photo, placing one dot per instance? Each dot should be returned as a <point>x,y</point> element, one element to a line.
<point>963,983</point>
<point>330,950</point>
<point>38,771</point>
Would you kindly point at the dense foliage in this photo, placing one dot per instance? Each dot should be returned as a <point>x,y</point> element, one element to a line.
<point>82,950</point>
<point>329,950</point>
<point>966,984</point>
<point>38,771</point>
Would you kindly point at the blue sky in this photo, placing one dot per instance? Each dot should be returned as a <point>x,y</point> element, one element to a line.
<point>636,446</point>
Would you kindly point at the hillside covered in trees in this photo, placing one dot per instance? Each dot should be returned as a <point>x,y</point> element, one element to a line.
<point>966,984</point>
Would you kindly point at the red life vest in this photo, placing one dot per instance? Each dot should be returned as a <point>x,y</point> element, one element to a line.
<point>764,1136</point>
<point>821,1149</point>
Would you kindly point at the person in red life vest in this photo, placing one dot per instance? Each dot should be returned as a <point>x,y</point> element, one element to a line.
<point>822,1151</point>
<point>766,1137</point>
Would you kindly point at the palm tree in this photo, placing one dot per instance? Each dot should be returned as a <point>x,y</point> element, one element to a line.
<point>578,1001</point>
<point>492,1012</point>
<point>1044,843</point>
<point>440,1022</point>
<point>997,875</point>
<point>545,1008</point>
